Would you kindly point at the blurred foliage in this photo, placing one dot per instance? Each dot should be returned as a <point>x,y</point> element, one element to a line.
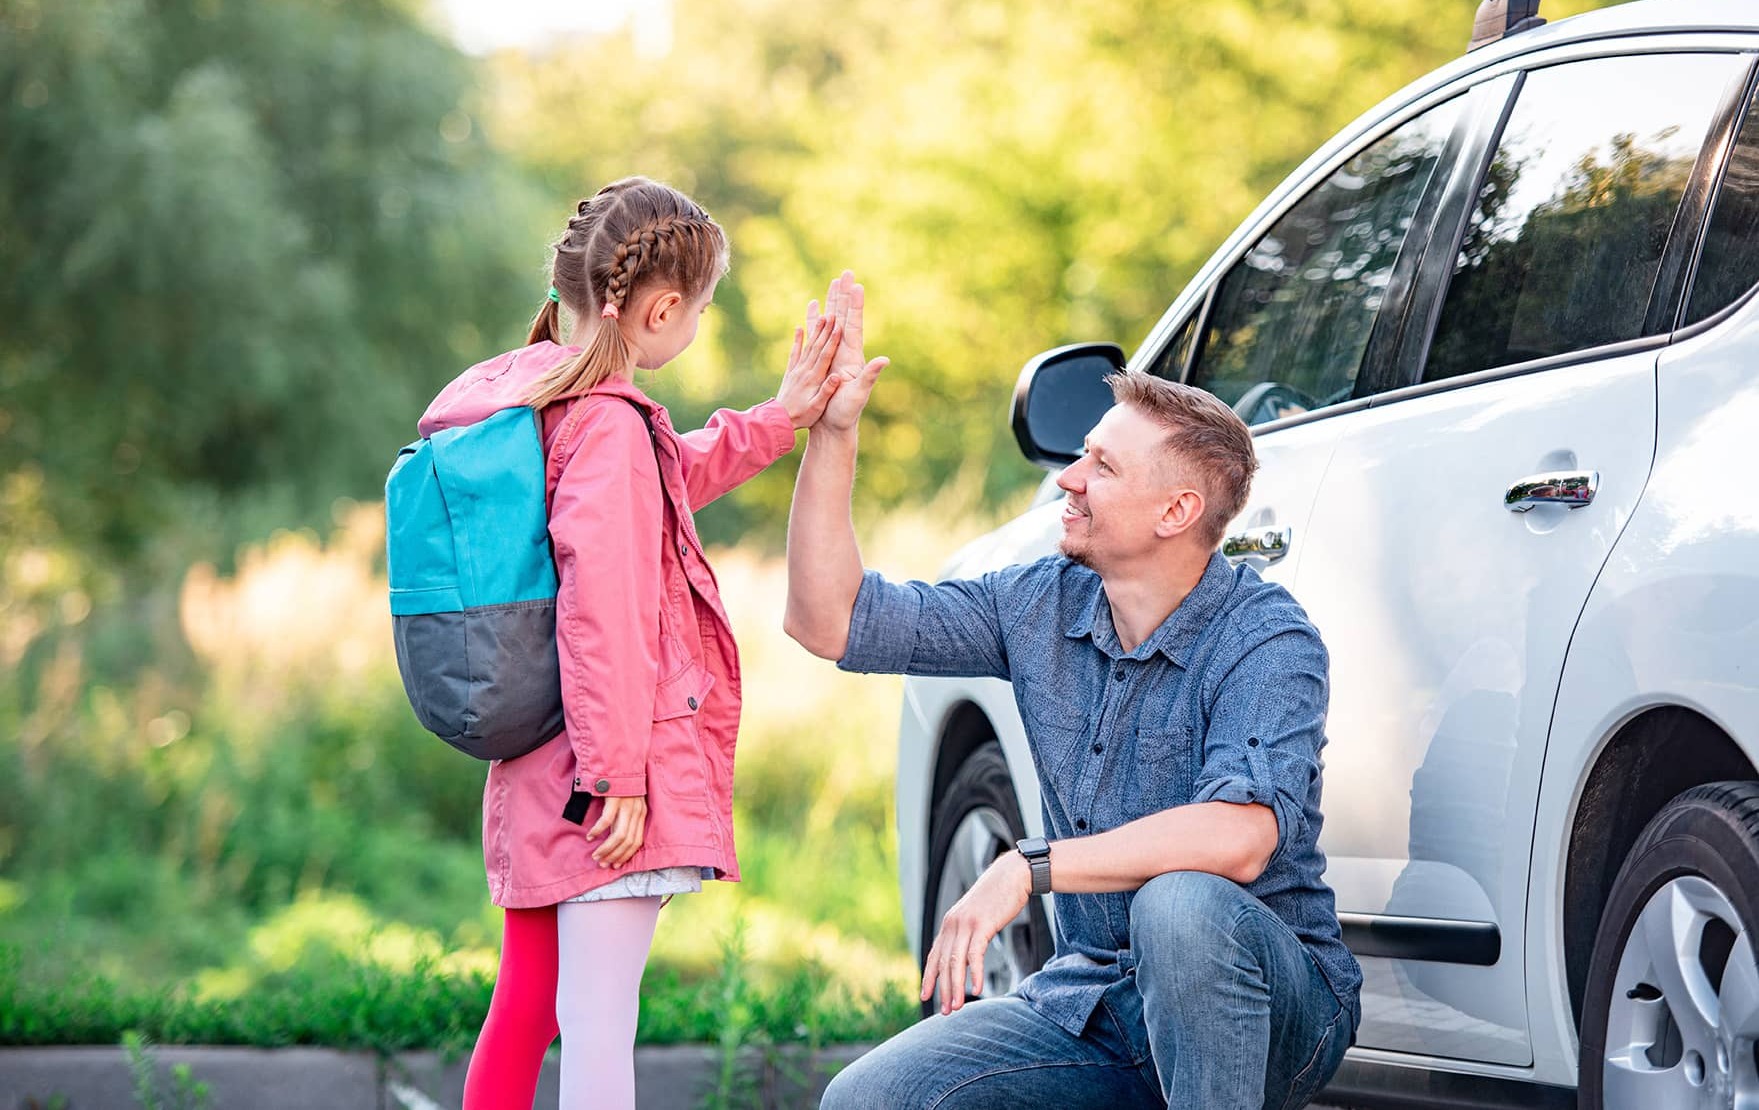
<point>274,852</point>
<point>243,243</point>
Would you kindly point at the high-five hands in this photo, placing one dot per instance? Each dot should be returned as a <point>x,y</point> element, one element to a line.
<point>855,378</point>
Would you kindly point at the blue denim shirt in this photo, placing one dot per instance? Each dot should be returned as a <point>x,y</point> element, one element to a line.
<point>1225,701</point>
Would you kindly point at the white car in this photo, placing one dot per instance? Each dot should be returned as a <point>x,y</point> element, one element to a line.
<point>1499,347</point>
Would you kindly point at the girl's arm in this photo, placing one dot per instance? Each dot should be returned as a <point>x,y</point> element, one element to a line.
<point>733,447</point>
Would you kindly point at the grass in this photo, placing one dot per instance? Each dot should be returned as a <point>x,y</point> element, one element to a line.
<point>223,825</point>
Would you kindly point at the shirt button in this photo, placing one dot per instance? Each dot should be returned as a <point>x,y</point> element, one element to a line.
<point>1097,748</point>
<point>1252,743</point>
<point>1081,824</point>
<point>603,786</point>
<point>691,702</point>
<point>683,548</point>
<point>1119,673</point>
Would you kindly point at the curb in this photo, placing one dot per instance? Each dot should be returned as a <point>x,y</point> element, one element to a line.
<point>667,1077</point>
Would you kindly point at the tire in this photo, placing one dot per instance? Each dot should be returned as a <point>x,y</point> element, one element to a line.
<point>1671,1014</point>
<point>978,816</point>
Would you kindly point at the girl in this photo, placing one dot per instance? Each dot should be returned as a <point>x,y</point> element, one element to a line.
<point>576,855</point>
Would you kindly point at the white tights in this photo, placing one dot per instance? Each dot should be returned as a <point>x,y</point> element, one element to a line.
<point>601,950</point>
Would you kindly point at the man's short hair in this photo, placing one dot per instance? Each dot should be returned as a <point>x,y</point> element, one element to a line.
<point>1205,437</point>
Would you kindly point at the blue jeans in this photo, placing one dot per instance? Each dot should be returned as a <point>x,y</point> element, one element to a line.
<point>1225,1009</point>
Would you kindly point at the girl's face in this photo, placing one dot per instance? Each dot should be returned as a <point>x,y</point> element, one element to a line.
<point>667,325</point>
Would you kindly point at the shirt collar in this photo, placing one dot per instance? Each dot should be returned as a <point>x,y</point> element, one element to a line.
<point>1176,635</point>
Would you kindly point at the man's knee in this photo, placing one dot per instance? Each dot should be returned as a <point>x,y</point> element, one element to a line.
<point>1182,909</point>
<point>867,1083</point>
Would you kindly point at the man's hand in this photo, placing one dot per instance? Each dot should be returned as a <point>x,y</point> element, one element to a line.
<point>808,383</point>
<point>844,302</point>
<point>997,898</point>
<point>626,820</point>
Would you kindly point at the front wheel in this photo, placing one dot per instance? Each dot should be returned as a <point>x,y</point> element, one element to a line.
<point>975,820</point>
<point>1671,1015</point>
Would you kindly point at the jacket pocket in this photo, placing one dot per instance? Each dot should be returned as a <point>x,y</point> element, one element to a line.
<point>677,764</point>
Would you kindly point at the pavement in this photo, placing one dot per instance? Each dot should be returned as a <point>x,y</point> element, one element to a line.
<point>676,1077</point>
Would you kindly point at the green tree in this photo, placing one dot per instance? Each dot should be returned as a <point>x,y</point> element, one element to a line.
<point>244,243</point>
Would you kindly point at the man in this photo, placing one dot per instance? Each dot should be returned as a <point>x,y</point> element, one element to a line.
<point>1175,709</point>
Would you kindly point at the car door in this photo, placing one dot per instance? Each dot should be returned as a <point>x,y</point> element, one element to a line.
<point>1464,518</point>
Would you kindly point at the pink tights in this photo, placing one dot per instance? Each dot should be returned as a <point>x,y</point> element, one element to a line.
<point>597,950</point>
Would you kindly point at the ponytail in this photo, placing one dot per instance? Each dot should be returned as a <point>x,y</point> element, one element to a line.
<point>546,326</point>
<point>606,355</point>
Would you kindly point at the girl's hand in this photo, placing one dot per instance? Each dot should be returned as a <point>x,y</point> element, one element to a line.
<point>626,820</point>
<point>807,384</point>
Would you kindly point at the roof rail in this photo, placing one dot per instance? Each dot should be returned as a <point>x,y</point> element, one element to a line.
<point>1498,19</point>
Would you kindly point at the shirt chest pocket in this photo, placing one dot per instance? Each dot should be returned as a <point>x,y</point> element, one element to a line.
<point>1165,761</point>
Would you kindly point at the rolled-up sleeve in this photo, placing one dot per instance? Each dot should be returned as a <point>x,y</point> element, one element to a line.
<point>1266,729</point>
<point>945,629</point>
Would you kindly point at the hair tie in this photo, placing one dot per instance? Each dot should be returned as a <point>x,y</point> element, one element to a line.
<point>611,311</point>
<point>555,296</point>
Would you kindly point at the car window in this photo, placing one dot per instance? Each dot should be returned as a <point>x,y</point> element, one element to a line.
<point>1729,264</point>
<point>1564,244</point>
<point>1170,362</point>
<point>1293,317</point>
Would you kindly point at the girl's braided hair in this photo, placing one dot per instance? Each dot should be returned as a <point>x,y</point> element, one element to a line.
<point>630,235</point>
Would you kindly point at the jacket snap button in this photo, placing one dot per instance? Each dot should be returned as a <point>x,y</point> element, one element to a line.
<point>603,786</point>
<point>690,702</point>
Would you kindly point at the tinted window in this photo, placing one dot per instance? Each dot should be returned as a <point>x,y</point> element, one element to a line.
<point>1292,318</point>
<point>1170,363</point>
<point>1563,247</point>
<point>1730,262</point>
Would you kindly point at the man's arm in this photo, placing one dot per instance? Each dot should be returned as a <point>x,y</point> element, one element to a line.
<point>824,561</point>
<point>1222,838</point>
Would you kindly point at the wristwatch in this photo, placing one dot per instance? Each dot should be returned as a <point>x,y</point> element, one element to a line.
<point>1037,851</point>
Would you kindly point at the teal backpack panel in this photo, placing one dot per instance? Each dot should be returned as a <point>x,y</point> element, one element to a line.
<point>491,475</point>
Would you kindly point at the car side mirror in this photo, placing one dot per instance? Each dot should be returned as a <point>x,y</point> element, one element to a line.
<point>1060,396</point>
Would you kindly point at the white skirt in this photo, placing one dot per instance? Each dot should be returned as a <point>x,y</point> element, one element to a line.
<point>664,882</point>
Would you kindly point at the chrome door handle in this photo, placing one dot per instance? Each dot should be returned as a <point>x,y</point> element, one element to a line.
<point>1571,489</point>
<point>1270,544</point>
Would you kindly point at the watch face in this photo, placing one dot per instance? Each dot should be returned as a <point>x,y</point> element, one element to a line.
<point>1034,846</point>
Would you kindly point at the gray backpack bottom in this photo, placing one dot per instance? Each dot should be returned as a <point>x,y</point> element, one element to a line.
<point>454,670</point>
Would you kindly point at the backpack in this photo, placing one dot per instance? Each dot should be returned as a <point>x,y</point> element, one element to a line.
<point>473,583</point>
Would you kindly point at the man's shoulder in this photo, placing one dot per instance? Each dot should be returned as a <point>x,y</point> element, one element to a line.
<point>1258,609</point>
<point>1053,587</point>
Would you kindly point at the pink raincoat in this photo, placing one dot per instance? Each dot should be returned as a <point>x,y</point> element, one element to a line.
<point>650,674</point>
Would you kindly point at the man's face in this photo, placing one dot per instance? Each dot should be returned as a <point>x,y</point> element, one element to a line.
<point>1119,492</point>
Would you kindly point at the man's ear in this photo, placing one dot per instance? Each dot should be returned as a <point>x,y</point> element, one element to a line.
<point>1181,515</point>
<point>663,307</point>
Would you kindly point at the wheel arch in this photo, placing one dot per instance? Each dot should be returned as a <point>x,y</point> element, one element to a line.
<point>967,727</point>
<point>1649,760</point>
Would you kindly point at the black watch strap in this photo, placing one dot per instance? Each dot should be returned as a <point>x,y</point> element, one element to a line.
<point>1037,851</point>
